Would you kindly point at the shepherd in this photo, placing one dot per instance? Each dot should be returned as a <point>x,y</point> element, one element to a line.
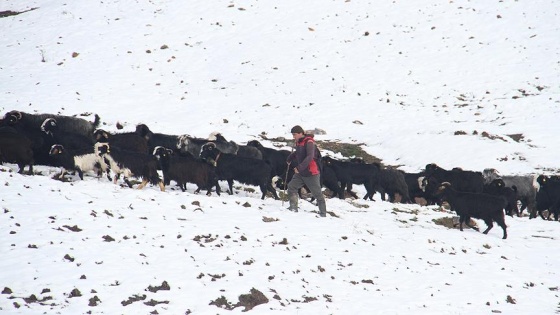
<point>307,172</point>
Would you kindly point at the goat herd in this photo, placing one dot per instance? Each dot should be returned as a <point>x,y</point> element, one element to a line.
<point>76,144</point>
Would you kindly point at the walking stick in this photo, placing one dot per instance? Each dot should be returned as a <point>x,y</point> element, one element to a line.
<point>285,183</point>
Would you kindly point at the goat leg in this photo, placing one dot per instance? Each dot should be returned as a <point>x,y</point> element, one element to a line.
<point>183,187</point>
<point>272,190</point>
<point>472,227</point>
<point>230,185</point>
<point>490,225</point>
<point>21,167</point>
<point>80,174</point>
<point>461,220</point>
<point>129,183</point>
<point>349,190</point>
<point>218,190</point>
<point>263,190</point>
<point>503,226</point>
<point>142,185</point>
<point>467,221</point>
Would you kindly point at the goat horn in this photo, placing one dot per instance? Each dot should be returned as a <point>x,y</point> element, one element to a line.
<point>17,114</point>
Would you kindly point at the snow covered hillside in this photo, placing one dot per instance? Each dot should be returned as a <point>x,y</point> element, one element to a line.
<point>471,84</point>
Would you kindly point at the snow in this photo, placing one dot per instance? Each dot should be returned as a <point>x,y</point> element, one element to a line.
<point>399,77</point>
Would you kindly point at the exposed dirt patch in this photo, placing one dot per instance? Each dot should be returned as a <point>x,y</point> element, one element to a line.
<point>132,299</point>
<point>516,137</point>
<point>164,286</point>
<point>348,150</point>
<point>250,300</point>
<point>222,302</point>
<point>452,222</point>
<point>254,298</point>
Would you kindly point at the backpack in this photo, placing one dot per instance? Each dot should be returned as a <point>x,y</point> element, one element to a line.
<point>318,157</point>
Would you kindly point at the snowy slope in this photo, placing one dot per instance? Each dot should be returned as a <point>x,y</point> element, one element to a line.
<point>450,82</point>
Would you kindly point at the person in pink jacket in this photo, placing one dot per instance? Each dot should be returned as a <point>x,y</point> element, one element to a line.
<point>307,172</point>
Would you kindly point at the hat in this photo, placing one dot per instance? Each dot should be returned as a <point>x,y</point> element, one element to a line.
<point>297,129</point>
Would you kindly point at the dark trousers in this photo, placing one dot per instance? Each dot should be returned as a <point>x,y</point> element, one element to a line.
<point>314,185</point>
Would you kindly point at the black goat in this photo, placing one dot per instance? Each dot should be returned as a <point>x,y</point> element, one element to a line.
<point>16,148</point>
<point>526,188</point>
<point>330,181</point>
<point>475,205</point>
<point>415,189</point>
<point>157,139</point>
<point>240,150</point>
<point>548,196</point>
<point>231,167</point>
<point>349,173</point>
<point>69,140</point>
<point>192,145</point>
<point>466,181</point>
<point>129,141</point>
<point>250,152</point>
<point>222,144</point>
<point>41,142</point>
<point>393,182</point>
<point>65,123</point>
<point>461,180</point>
<point>186,169</point>
<point>130,164</point>
<point>429,186</point>
<point>498,188</point>
<point>276,158</point>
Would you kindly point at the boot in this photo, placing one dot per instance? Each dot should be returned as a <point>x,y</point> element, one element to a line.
<point>322,207</point>
<point>293,203</point>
